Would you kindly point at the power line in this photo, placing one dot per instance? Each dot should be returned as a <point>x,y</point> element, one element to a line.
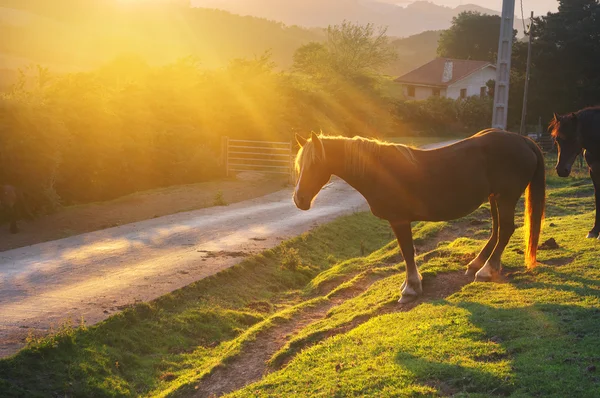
<point>523,19</point>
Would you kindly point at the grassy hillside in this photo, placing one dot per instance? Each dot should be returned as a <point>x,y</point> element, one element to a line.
<point>535,335</point>
<point>319,316</point>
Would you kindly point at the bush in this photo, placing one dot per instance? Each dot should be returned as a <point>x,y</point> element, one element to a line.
<point>128,126</point>
<point>439,116</point>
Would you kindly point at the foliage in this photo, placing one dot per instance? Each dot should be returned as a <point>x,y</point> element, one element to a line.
<point>347,67</point>
<point>565,55</point>
<point>351,52</point>
<point>472,36</point>
<point>291,259</point>
<point>219,199</point>
<point>129,126</point>
<point>357,49</point>
<point>441,116</point>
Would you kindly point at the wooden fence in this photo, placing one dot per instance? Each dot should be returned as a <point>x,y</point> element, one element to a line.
<point>260,156</point>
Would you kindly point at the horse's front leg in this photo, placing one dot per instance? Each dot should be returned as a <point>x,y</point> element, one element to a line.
<point>412,286</point>
<point>595,174</point>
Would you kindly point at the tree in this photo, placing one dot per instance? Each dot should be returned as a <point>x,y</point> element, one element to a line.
<point>566,53</point>
<point>351,51</point>
<point>312,59</point>
<point>472,36</point>
<point>356,49</point>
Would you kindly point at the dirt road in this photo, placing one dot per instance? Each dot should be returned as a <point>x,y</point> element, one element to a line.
<point>97,274</point>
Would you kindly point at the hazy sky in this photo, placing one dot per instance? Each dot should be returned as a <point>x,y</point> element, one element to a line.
<point>538,6</point>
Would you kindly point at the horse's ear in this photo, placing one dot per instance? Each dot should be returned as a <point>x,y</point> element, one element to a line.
<point>318,144</point>
<point>301,140</point>
<point>556,117</point>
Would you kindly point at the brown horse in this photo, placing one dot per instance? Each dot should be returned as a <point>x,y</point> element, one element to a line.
<point>403,184</point>
<point>573,133</point>
<point>8,201</point>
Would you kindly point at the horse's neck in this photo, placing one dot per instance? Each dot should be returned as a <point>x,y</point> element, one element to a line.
<point>336,159</point>
<point>589,129</point>
<point>377,170</point>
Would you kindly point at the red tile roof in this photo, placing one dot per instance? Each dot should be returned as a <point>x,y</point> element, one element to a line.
<point>432,73</point>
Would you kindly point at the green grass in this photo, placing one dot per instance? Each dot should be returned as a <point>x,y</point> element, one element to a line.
<point>164,344</point>
<point>536,335</point>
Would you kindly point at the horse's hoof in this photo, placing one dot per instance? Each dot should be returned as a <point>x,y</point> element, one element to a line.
<point>405,283</point>
<point>593,235</point>
<point>484,278</point>
<point>487,274</point>
<point>471,272</point>
<point>407,299</point>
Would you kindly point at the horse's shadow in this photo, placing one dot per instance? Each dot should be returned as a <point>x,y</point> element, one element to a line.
<point>552,350</point>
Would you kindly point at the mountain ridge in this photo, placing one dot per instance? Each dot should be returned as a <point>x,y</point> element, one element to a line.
<point>402,21</point>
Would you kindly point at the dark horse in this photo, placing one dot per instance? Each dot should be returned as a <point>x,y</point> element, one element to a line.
<point>8,201</point>
<point>574,133</point>
<point>403,184</point>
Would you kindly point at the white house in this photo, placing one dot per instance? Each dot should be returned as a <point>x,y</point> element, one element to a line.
<point>452,78</point>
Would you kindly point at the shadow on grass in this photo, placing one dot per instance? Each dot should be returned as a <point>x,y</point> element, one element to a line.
<point>553,348</point>
<point>452,379</point>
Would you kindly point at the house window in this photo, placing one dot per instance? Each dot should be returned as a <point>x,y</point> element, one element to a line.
<point>436,92</point>
<point>411,91</point>
<point>483,92</point>
<point>463,93</point>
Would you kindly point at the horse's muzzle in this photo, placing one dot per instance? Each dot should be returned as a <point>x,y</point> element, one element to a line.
<point>563,171</point>
<point>301,203</point>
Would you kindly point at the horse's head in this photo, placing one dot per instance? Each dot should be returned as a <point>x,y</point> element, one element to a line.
<point>566,136</point>
<point>312,169</point>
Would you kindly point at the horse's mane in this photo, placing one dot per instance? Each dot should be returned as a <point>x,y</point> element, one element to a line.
<point>554,126</point>
<point>358,152</point>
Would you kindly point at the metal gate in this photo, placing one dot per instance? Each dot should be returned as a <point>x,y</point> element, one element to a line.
<point>260,156</point>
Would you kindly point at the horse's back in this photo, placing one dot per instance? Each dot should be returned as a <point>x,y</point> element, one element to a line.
<point>494,143</point>
<point>498,156</point>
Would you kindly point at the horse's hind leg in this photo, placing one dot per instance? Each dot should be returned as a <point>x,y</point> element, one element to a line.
<point>506,227</point>
<point>412,287</point>
<point>485,253</point>
<point>595,232</point>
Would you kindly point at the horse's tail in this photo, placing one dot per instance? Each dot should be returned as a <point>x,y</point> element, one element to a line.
<point>535,205</point>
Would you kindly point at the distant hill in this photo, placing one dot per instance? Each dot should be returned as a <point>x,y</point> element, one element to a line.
<point>77,39</point>
<point>160,34</point>
<point>415,18</point>
<point>414,51</point>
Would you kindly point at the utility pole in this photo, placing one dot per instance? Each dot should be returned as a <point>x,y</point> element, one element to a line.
<point>527,74</point>
<point>503,67</point>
